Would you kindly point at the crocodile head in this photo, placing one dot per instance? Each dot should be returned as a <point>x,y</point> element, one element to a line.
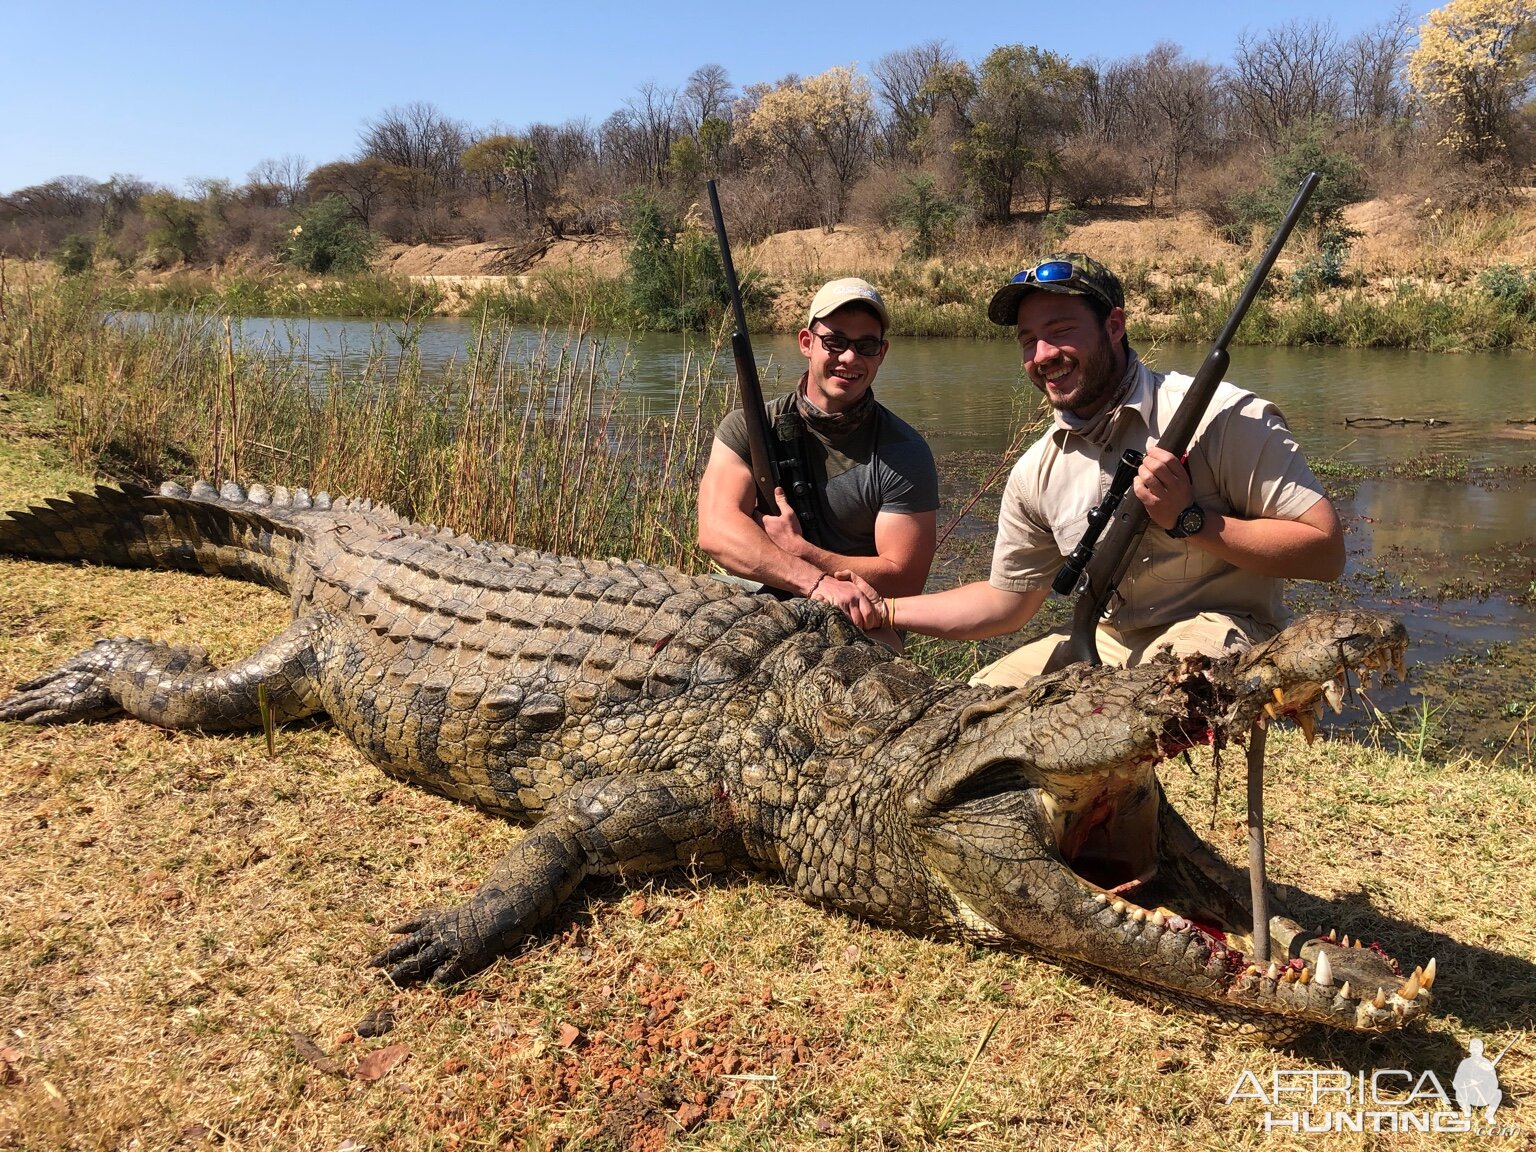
<point>1048,827</point>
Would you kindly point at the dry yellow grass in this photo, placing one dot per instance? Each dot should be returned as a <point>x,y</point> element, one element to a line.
<point>183,925</point>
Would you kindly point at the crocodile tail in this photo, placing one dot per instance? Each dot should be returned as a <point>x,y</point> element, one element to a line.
<point>228,531</point>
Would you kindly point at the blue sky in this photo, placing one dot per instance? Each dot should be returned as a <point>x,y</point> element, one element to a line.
<point>171,90</point>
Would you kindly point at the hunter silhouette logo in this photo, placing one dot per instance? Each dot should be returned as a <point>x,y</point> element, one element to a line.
<point>1477,1083</point>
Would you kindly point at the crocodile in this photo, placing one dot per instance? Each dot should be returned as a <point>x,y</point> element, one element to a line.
<point>639,719</point>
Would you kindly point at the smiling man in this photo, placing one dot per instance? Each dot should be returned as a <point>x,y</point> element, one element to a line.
<point>1240,514</point>
<point>874,491</point>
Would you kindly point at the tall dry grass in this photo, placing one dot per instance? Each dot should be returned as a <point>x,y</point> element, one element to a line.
<point>535,448</point>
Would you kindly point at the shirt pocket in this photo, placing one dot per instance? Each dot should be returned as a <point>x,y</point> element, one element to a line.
<point>1179,562</point>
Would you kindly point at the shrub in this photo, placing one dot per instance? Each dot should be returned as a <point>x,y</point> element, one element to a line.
<point>329,239</point>
<point>74,256</point>
<point>931,215</point>
<point>1342,182</point>
<point>675,279</point>
<point>1510,288</point>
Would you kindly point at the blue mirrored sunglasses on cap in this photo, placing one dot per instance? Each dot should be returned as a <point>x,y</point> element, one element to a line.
<point>1049,272</point>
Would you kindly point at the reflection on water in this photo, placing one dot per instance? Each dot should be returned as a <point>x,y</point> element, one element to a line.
<point>1441,516</point>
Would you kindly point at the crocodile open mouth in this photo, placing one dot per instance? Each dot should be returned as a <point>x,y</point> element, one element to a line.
<point>1156,882</point>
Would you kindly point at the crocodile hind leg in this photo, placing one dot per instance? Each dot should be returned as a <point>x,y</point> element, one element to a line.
<point>176,687</point>
<point>645,822</point>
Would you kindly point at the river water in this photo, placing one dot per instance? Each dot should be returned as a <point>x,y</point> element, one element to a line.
<point>965,395</point>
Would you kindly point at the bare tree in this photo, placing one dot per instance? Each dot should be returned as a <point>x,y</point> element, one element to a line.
<point>362,183</point>
<point>1373,67</point>
<point>285,176</point>
<point>706,96</point>
<point>1288,76</point>
<point>902,86</point>
<point>1179,95</point>
<point>421,139</point>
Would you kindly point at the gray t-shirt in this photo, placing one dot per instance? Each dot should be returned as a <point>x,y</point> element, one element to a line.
<point>884,466</point>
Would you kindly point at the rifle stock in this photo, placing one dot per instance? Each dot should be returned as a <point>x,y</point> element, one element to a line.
<point>1112,557</point>
<point>764,464</point>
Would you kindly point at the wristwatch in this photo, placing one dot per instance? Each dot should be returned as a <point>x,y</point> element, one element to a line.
<point>1190,521</point>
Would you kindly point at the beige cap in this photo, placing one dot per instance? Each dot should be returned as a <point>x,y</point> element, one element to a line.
<point>849,290</point>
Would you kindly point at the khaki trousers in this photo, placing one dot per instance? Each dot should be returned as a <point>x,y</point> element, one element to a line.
<point>1210,633</point>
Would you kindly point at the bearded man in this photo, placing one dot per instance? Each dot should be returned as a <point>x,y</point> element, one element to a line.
<point>1234,519</point>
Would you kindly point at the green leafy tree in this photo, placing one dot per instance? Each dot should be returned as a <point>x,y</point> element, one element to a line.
<point>329,239</point>
<point>74,255</point>
<point>176,229</point>
<point>1341,182</point>
<point>674,279</point>
<point>1021,112</point>
<point>1473,69</point>
<point>928,212</point>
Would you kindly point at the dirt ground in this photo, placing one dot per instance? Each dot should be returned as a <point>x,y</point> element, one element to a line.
<point>1392,230</point>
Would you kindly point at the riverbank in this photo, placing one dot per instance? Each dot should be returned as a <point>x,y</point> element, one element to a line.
<point>186,910</point>
<point>1413,278</point>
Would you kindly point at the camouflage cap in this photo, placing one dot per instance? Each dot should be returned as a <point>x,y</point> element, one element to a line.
<point>1068,273</point>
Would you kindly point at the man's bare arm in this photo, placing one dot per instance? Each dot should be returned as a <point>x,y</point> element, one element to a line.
<point>1310,547</point>
<point>904,547</point>
<point>732,533</point>
<point>970,612</point>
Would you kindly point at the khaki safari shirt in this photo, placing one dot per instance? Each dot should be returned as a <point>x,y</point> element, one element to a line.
<point>1242,460</point>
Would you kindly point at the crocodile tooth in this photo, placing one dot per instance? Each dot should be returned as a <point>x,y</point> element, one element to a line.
<point>1358,943</point>
<point>1305,977</point>
<point>1344,943</point>
<point>1272,712</point>
<point>1101,897</point>
<point>1306,720</point>
<point>1161,921</point>
<point>1279,697</point>
<point>1136,914</point>
<point>1381,998</point>
<point>1119,905</point>
<point>1333,692</point>
<point>1428,979</point>
<point>1410,990</point>
<point>1288,976</point>
<point>1324,970</point>
<point>1346,991</point>
<point>1273,972</point>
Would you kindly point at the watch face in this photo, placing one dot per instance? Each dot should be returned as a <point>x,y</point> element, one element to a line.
<point>1191,520</point>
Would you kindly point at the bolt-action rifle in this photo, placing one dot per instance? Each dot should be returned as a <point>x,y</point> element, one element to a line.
<point>1094,570</point>
<point>778,461</point>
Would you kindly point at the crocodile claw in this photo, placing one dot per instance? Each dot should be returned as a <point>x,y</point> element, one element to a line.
<point>75,690</point>
<point>436,950</point>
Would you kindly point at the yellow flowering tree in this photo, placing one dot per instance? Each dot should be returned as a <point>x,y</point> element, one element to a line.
<point>819,127</point>
<point>1472,70</point>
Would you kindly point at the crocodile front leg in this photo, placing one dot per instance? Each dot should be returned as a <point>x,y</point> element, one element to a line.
<point>176,687</point>
<point>648,822</point>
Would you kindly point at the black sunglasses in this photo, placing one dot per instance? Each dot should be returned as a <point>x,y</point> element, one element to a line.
<point>1060,272</point>
<point>836,343</point>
